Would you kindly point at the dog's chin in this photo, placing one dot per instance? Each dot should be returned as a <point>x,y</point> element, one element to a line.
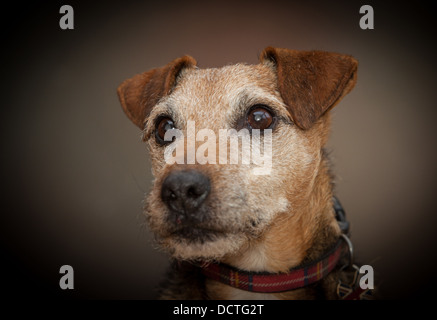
<point>197,235</point>
<point>201,244</point>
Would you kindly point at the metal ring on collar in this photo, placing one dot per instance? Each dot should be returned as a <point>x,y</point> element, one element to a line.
<point>350,247</point>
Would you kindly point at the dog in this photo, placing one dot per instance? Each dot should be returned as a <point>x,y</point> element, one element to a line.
<point>211,217</point>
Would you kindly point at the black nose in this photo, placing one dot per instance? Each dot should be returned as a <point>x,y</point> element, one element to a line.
<point>183,192</point>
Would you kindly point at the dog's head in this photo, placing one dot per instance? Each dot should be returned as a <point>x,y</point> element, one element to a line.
<point>204,209</point>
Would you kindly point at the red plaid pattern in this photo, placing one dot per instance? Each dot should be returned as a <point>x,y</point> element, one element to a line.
<point>276,282</point>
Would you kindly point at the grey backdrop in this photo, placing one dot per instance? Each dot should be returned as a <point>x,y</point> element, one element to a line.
<point>74,169</point>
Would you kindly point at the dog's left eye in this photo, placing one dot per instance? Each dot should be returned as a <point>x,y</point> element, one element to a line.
<point>162,126</point>
<point>259,118</point>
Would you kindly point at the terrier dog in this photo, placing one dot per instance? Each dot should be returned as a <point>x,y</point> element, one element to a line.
<point>229,231</point>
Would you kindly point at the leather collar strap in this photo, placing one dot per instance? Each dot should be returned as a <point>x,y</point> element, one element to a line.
<point>277,282</point>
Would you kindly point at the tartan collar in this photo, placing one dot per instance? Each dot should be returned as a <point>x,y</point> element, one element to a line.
<point>298,277</point>
<point>267,282</point>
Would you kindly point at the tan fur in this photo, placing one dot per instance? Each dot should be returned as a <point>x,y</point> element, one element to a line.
<point>266,222</point>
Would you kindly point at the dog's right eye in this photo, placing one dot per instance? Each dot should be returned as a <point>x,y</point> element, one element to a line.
<point>259,118</point>
<point>162,126</point>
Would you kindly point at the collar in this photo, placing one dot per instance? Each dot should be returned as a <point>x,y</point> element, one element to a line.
<point>295,278</point>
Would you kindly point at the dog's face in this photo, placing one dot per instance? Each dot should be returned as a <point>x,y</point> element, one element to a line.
<point>208,211</point>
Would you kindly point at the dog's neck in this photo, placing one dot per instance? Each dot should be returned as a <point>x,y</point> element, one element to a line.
<point>292,239</point>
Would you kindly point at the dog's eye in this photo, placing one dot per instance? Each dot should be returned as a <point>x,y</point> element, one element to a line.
<point>259,118</point>
<point>162,126</point>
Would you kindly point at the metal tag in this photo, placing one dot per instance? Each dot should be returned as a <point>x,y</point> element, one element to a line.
<point>351,290</point>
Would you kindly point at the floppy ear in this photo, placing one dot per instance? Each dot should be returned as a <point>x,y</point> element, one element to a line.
<point>311,82</point>
<point>138,95</point>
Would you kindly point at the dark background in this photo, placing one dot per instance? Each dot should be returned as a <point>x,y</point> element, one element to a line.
<point>74,170</point>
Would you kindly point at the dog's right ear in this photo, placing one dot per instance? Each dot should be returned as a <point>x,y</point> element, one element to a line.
<point>311,82</point>
<point>138,95</point>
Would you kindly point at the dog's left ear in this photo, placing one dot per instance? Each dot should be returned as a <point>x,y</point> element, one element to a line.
<point>138,95</point>
<point>311,82</point>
